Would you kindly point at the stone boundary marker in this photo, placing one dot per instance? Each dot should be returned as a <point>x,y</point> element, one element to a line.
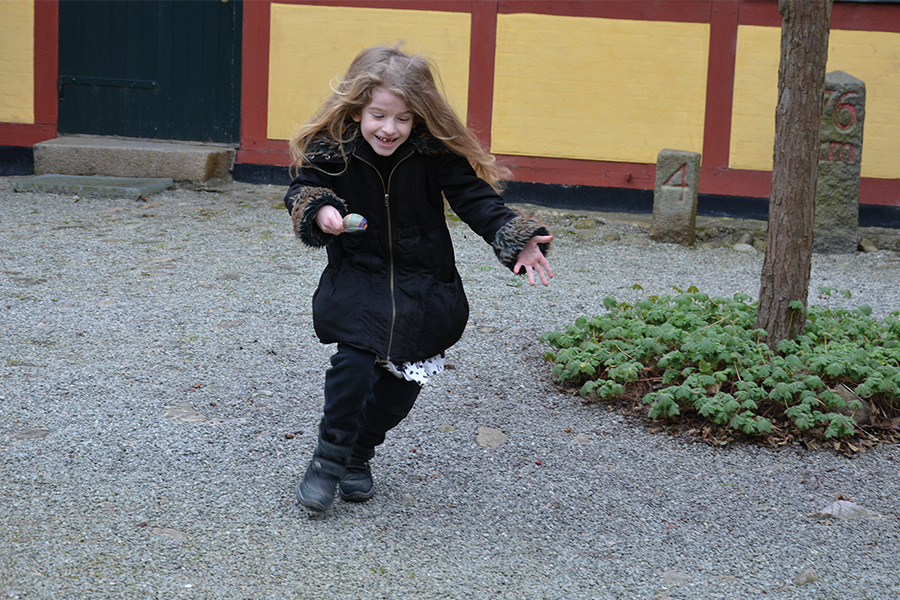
<point>836,227</point>
<point>675,197</point>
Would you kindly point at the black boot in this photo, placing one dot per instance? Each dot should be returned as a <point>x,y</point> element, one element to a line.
<point>357,484</point>
<point>325,470</point>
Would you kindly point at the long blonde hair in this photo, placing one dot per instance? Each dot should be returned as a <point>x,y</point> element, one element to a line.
<point>409,77</point>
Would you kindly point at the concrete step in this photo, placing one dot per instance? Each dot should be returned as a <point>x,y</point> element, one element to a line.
<point>128,187</point>
<point>127,157</point>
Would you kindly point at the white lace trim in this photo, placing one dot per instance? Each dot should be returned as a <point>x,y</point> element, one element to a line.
<point>415,371</point>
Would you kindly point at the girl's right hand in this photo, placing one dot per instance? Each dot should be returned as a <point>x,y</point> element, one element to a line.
<point>330,220</point>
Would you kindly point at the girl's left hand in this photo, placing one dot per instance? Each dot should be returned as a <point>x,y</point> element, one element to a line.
<point>533,259</point>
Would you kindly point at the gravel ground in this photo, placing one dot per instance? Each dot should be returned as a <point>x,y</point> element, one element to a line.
<point>160,384</point>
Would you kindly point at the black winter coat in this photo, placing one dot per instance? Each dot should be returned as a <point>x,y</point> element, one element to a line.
<point>393,289</point>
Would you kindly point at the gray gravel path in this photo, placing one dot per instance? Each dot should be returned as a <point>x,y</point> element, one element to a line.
<point>160,385</point>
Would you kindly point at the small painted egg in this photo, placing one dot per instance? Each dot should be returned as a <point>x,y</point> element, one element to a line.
<point>355,222</point>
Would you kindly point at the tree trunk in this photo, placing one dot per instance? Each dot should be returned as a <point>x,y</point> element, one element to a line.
<point>801,80</point>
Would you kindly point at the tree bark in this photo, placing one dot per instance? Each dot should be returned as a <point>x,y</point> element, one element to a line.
<point>798,116</point>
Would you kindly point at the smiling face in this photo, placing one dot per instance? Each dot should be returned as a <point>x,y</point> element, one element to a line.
<point>385,122</point>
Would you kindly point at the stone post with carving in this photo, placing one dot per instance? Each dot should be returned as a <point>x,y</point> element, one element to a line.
<point>675,197</point>
<point>836,227</point>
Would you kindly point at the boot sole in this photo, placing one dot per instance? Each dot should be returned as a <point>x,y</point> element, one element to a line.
<point>310,504</point>
<point>357,496</point>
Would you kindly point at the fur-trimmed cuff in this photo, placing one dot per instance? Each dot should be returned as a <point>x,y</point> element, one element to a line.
<point>306,203</point>
<point>512,238</point>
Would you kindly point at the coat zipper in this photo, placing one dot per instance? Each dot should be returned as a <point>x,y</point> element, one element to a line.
<point>387,206</point>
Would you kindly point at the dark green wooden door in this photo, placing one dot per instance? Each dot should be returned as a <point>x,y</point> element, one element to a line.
<point>150,69</point>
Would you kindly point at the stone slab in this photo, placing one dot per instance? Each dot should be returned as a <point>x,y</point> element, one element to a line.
<point>92,185</point>
<point>118,157</point>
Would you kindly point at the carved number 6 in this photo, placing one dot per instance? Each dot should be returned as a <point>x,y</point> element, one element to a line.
<point>840,106</point>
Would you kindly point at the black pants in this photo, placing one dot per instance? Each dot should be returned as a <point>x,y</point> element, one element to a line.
<point>363,399</point>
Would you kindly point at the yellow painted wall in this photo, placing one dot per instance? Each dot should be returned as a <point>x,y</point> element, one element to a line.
<point>311,45</point>
<point>17,61</point>
<point>598,89</point>
<point>755,98</point>
<point>873,57</point>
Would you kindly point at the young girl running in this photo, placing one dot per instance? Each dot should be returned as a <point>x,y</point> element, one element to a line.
<point>386,145</point>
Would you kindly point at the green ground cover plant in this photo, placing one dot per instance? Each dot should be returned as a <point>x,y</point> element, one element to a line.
<point>697,364</point>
